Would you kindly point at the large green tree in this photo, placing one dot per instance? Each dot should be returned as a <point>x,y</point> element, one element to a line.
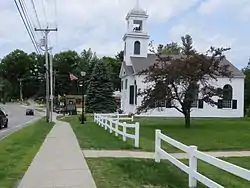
<point>176,81</point>
<point>15,66</point>
<point>100,97</point>
<point>246,71</point>
<point>64,63</point>
<point>114,66</point>
<point>171,49</point>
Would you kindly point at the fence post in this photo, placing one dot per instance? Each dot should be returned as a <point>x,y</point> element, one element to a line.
<point>101,121</point>
<point>116,128</point>
<point>110,126</point>
<point>137,135</point>
<point>124,131</point>
<point>132,118</point>
<point>157,145</point>
<point>105,123</point>
<point>118,117</point>
<point>192,166</point>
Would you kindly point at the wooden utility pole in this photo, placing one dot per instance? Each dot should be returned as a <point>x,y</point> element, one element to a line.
<point>46,32</point>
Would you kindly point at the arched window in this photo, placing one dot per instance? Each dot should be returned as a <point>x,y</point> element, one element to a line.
<point>137,48</point>
<point>227,92</point>
<point>195,98</point>
<point>227,96</point>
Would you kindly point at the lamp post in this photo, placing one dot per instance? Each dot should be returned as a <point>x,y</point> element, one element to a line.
<point>83,74</point>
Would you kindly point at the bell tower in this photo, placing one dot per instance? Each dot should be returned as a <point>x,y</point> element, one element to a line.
<point>136,38</point>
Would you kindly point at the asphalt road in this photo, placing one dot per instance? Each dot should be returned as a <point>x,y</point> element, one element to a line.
<point>17,118</point>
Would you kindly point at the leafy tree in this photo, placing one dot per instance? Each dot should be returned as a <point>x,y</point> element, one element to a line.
<point>114,66</point>
<point>178,79</point>
<point>5,90</point>
<point>88,59</point>
<point>119,56</point>
<point>170,49</point>
<point>100,91</point>
<point>64,63</point>
<point>246,71</point>
<point>15,65</point>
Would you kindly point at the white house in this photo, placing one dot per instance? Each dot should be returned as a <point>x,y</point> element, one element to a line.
<point>136,58</point>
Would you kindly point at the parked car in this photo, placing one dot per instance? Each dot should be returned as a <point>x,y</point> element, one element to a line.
<point>29,112</point>
<point>59,109</point>
<point>3,119</point>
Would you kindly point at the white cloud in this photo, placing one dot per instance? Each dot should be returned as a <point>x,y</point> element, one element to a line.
<point>239,9</point>
<point>99,24</point>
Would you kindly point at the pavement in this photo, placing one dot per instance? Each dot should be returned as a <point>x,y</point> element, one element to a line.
<point>151,155</point>
<point>59,162</point>
<point>17,118</point>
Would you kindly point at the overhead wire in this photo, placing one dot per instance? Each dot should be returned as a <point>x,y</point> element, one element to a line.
<point>28,19</point>
<point>44,12</point>
<point>37,18</point>
<point>27,28</point>
<point>56,20</point>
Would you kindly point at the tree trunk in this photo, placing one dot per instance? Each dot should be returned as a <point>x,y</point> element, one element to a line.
<point>187,119</point>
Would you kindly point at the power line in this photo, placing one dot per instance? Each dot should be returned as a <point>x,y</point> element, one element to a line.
<point>28,20</point>
<point>30,35</point>
<point>44,12</point>
<point>37,18</point>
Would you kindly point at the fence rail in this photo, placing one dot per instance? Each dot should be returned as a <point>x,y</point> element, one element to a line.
<point>112,122</point>
<point>193,156</point>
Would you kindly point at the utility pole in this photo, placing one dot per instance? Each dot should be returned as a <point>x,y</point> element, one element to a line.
<point>21,89</point>
<point>51,86</point>
<point>46,32</point>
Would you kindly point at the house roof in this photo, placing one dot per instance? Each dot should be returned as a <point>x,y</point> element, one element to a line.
<point>140,63</point>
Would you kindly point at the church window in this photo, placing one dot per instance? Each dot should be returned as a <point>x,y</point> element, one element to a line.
<point>122,84</point>
<point>195,99</point>
<point>227,96</point>
<point>137,25</point>
<point>126,83</point>
<point>137,48</point>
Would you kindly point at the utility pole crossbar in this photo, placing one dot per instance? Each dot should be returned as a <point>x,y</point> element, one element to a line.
<point>49,94</point>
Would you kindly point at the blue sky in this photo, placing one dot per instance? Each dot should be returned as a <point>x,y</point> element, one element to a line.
<point>100,24</point>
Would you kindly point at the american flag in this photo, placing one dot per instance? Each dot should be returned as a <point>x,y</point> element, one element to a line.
<point>72,77</point>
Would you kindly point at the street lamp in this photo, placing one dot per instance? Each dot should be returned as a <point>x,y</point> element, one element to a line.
<point>81,84</point>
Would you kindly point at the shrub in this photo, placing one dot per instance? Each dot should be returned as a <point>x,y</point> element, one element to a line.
<point>80,118</point>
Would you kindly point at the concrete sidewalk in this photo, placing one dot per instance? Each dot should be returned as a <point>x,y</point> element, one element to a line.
<point>59,162</point>
<point>151,155</point>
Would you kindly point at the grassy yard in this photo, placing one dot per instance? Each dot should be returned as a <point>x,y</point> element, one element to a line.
<point>139,173</point>
<point>91,136</point>
<point>207,134</point>
<point>18,150</point>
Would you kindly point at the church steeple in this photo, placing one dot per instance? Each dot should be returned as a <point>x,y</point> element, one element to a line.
<point>136,37</point>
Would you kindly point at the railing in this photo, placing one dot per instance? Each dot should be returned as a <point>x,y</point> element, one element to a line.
<point>193,155</point>
<point>118,117</point>
<point>112,122</point>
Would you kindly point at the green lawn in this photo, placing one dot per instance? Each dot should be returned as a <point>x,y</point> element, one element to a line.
<point>140,173</point>
<point>91,136</point>
<point>207,134</point>
<point>18,150</point>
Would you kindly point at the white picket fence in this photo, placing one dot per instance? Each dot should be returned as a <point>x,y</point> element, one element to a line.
<point>193,155</point>
<point>112,122</point>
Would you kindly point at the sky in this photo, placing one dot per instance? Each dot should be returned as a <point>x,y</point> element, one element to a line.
<point>100,25</point>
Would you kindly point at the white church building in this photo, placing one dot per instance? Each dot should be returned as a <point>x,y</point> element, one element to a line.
<point>137,58</point>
